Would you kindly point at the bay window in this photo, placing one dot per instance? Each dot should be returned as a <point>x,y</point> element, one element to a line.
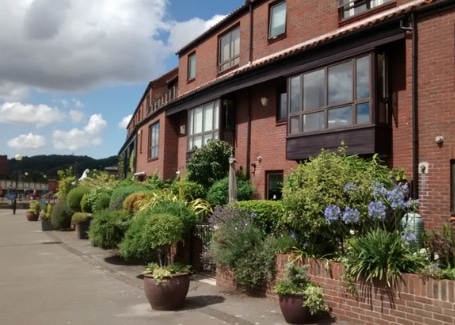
<point>203,124</point>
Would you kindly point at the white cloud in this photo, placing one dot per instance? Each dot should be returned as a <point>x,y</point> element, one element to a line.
<point>124,122</point>
<point>76,116</point>
<point>18,113</point>
<point>74,139</point>
<point>12,92</point>
<point>27,141</point>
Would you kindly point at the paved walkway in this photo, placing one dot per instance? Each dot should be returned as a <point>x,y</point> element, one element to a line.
<point>55,278</point>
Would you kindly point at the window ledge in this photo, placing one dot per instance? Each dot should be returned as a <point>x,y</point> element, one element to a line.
<point>277,38</point>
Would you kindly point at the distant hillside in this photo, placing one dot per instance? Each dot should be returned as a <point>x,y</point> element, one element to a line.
<point>37,166</point>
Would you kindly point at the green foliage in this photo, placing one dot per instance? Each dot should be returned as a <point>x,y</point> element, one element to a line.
<point>66,179</point>
<point>74,197</point>
<point>267,214</point>
<point>442,244</point>
<point>108,228</point>
<point>298,281</point>
<point>154,182</point>
<point>239,244</point>
<point>61,215</point>
<point>379,257</point>
<point>121,193</point>
<point>151,234</point>
<point>285,244</point>
<point>320,182</point>
<point>209,163</point>
<point>99,200</point>
<point>133,201</point>
<point>48,212</point>
<point>218,193</point>
<point>159,273</point>
<point>187,190</point>
<point>34,206</point>
<point>79,217</point>
<point>85,204</point>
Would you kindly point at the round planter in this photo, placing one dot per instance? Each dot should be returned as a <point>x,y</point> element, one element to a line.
<point>293,310</point>
<point>169,294</point>
<point>31,216</point>
<point>46,225</point>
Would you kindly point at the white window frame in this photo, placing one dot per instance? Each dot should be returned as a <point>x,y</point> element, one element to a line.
<point>203,124</point>
<point>154,138</point>
<point>232,39</point>
<point>192,66</point>
<point>274,15</point>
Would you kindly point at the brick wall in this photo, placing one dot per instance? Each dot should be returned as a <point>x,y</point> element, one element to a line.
<point>415,301</point>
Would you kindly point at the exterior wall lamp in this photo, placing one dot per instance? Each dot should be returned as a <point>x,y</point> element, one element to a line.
<point>264,101</point>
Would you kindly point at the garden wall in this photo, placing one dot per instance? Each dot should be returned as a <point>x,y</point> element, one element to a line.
<point>415,301</point>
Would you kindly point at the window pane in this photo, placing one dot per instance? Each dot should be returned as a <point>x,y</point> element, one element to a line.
<point>192,66</point>
<point>313,122</point>
<point>340,83</point>
<point>283,109</point>
<point>277,19</point>
<point>275,185</point>
<point>207,137</point>
<point>235,42</point>
<point>208,117</point>
<point>294,127</point>
<point>224,48</point>
<point>340,117</point>
<point>216,114</point>
<point>313,90</point>
<point>198,120</point>
<point>215,135</point>
<point>363,78</point>
<point>197,141</point>
<point>295,90</point>
<point>363,113</point>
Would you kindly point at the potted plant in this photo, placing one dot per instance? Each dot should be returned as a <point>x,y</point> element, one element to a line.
<point>82,222</point>
<point>32,213</point>
<point>299,296</point>
<point>45,216</point>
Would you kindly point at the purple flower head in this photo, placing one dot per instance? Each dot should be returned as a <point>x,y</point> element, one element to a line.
<point>396,196</point>
<point>332,213</point>
<point>293,235</point>
<point>376,210</point>
<point>409,238</point>
<point>379,191</point>
<point>350,188</point>
<point>351,216</point>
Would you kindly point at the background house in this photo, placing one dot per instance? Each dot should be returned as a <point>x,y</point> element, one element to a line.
<point>280,80</point>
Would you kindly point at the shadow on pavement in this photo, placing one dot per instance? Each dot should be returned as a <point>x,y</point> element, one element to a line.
<point>118,260</point>
<point>202,301</point>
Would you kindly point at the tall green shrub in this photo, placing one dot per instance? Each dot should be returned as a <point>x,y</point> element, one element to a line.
<point>267,215</point>
<point>108,228</point>
<point>218,193</point>
<point>209,163</point>
<point>320,182</point>
<point>61,215</point>
<point>121,193</point>
<point>74,197</point>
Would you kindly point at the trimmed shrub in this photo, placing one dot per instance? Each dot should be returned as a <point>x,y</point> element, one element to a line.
<point>108,228</point>
<point>187,190</point>
<point>267,215</point>
<point>218,193</point>
<point>61,215</point>
<point>74,197</point>
<point>101,202</point>
<point>85,204</point>
<point>121,193</point>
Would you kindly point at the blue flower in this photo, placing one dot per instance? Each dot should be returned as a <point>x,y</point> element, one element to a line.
<point>253,215</point>
<point>350,188</point>
<point>332,213</point>
<point>377,210</point>
<point>396,197</point>
<point>351,215</point>
<point>293,235</point>
<point>409,238</point>
<point>379,191</point>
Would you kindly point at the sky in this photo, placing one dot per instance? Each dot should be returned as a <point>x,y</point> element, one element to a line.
<point>73,71</point>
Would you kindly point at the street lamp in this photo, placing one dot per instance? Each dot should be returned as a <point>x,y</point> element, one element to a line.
<point>18,158</point>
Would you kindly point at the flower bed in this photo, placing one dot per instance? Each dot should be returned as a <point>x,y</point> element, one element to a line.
<point>415,300</point>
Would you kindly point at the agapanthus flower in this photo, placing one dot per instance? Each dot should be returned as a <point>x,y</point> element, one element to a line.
<point>396,196</point>
<point>351,215</point>
<point>409,238</point>
<point>379,191</point>
<point>350,188</point>
<point>332,213</point>
<point>377,210</point>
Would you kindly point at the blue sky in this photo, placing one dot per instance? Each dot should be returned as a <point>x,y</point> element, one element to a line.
<point>72,72</point>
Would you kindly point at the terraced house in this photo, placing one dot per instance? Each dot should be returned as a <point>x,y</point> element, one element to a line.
<point>281,79</point>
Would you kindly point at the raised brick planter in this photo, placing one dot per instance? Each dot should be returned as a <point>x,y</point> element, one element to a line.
<point>415,301</point>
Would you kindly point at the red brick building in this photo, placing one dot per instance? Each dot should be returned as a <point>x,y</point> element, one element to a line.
<point>280,80</point>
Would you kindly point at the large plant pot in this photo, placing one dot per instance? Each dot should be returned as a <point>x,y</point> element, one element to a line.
<point>83,227</point>
<point>31,216</point>
<point>293,310</point>
<point>169,294</point>
<point>46,225</point>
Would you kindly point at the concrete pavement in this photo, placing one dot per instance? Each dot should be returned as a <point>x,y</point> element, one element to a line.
<point>55,278</point>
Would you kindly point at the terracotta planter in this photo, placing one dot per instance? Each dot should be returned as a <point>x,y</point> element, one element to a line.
<point>170,294</point>
<point>31,216</point>
<point>293,310</point>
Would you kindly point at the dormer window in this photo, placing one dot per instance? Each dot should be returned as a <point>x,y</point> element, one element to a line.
<point>351,8</point>
<point>229,44</point>
<point>277,20</point>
